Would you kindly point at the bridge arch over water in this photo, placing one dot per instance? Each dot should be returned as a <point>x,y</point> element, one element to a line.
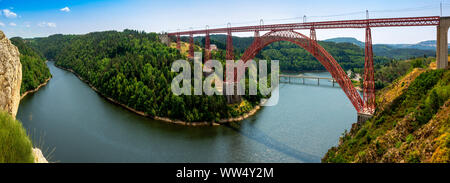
<point>285,32</point>
<point>316,50</point>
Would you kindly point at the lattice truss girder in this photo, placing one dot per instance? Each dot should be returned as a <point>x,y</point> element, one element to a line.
<point>318,52</point>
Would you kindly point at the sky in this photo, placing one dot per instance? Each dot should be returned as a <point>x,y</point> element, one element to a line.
<point>40,18</point>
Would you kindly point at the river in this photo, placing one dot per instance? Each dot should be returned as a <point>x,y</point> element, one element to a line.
<point>72,123</point>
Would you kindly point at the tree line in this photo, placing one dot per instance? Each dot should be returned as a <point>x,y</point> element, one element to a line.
<point>134,68</point>
<point>34,69</point>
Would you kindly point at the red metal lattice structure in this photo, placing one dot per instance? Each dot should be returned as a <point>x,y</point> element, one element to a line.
<point>369,80</point>
<point>285,32</point>
<point>191,46</point>
<point>207,46</point>
<point>317,51</point>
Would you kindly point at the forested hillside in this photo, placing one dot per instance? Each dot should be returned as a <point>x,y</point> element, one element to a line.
<point>34,69</point>
<point>395,51</point>
<point>292,58</point>
<point>411,123</point>
<point>133,68</point>
<point>50,46</point>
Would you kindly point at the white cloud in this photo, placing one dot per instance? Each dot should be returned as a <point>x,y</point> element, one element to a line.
<point>65,9</point>
<point>9,14</point>
<point>2,24</point>
<point>47,24</point>
<point>51,24</point>
<point>12,24</point>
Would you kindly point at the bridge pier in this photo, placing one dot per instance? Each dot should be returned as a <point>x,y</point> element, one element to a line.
<point>191,46</point>
<point>207,48</point>
<point>362,118</point>
<point>164,38</point>
<point>178,42</point>
<point>442,43</point>
<point>234,97</point>
<point>230,55</point>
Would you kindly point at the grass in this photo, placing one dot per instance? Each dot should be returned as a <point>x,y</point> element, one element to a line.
<point>184,48</point>
<point>15,145</point>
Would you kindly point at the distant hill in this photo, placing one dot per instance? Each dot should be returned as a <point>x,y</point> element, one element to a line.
<point>346,40</point>
<point>424,45</point>
<point>397,51</point>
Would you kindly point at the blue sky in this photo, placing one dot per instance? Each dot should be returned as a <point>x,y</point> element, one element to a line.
<point>37,18</point>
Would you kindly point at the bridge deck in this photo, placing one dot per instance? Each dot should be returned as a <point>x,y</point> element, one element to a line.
<point>307,77</point>
<point>342,24</point>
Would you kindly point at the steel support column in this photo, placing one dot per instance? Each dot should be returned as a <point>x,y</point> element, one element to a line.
<point>178,42</point>
<point>369,84</point>
<point>230,55</point>
<point>312,35</point>
<point>207,48</point>
<point>191,46</point>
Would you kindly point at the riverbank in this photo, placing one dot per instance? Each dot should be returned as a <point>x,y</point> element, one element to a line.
<point>36,89</point>
<point>37,153</point>
<point>166,119</point>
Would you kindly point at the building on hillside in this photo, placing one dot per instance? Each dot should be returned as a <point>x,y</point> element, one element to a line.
<point>213,47</point>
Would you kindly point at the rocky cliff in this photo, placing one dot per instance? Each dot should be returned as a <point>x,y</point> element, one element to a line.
<point>10,76</point>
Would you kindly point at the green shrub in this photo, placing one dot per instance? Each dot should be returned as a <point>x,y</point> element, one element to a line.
<point>361,133</point>
<point>418,63</point>
<point>409,138</point>
<point>338,158</point>
<point>379,121</point>
<point>15,145</point>
<point>413,157</point>
<point>398,144</point>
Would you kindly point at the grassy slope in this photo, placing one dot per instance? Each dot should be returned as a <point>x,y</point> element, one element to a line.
<point>411,123</point>
<point>184,48</point>
<point>15,145</point>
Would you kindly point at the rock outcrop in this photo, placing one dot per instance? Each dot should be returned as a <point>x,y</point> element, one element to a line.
<point>10,76</point>
<point>38,156</point>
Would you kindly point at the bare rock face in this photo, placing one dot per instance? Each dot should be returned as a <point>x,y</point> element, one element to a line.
<point>10,76</point>
<point>38,156</point>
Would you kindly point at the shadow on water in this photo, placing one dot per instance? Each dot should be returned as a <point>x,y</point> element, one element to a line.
<point>261,137</point>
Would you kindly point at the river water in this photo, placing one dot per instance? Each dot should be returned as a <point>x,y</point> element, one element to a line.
<point>72,123</point>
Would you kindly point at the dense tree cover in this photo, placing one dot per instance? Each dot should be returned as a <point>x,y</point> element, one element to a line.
<point>386,73</point>
<point>393,51</point>
<point>50,46</point>
<point>133,68</point>
<point>34,69</point>
<point>293,58</point>
<point>401,53</point>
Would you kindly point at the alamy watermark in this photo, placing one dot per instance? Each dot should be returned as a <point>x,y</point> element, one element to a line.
<point>234,83</point>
